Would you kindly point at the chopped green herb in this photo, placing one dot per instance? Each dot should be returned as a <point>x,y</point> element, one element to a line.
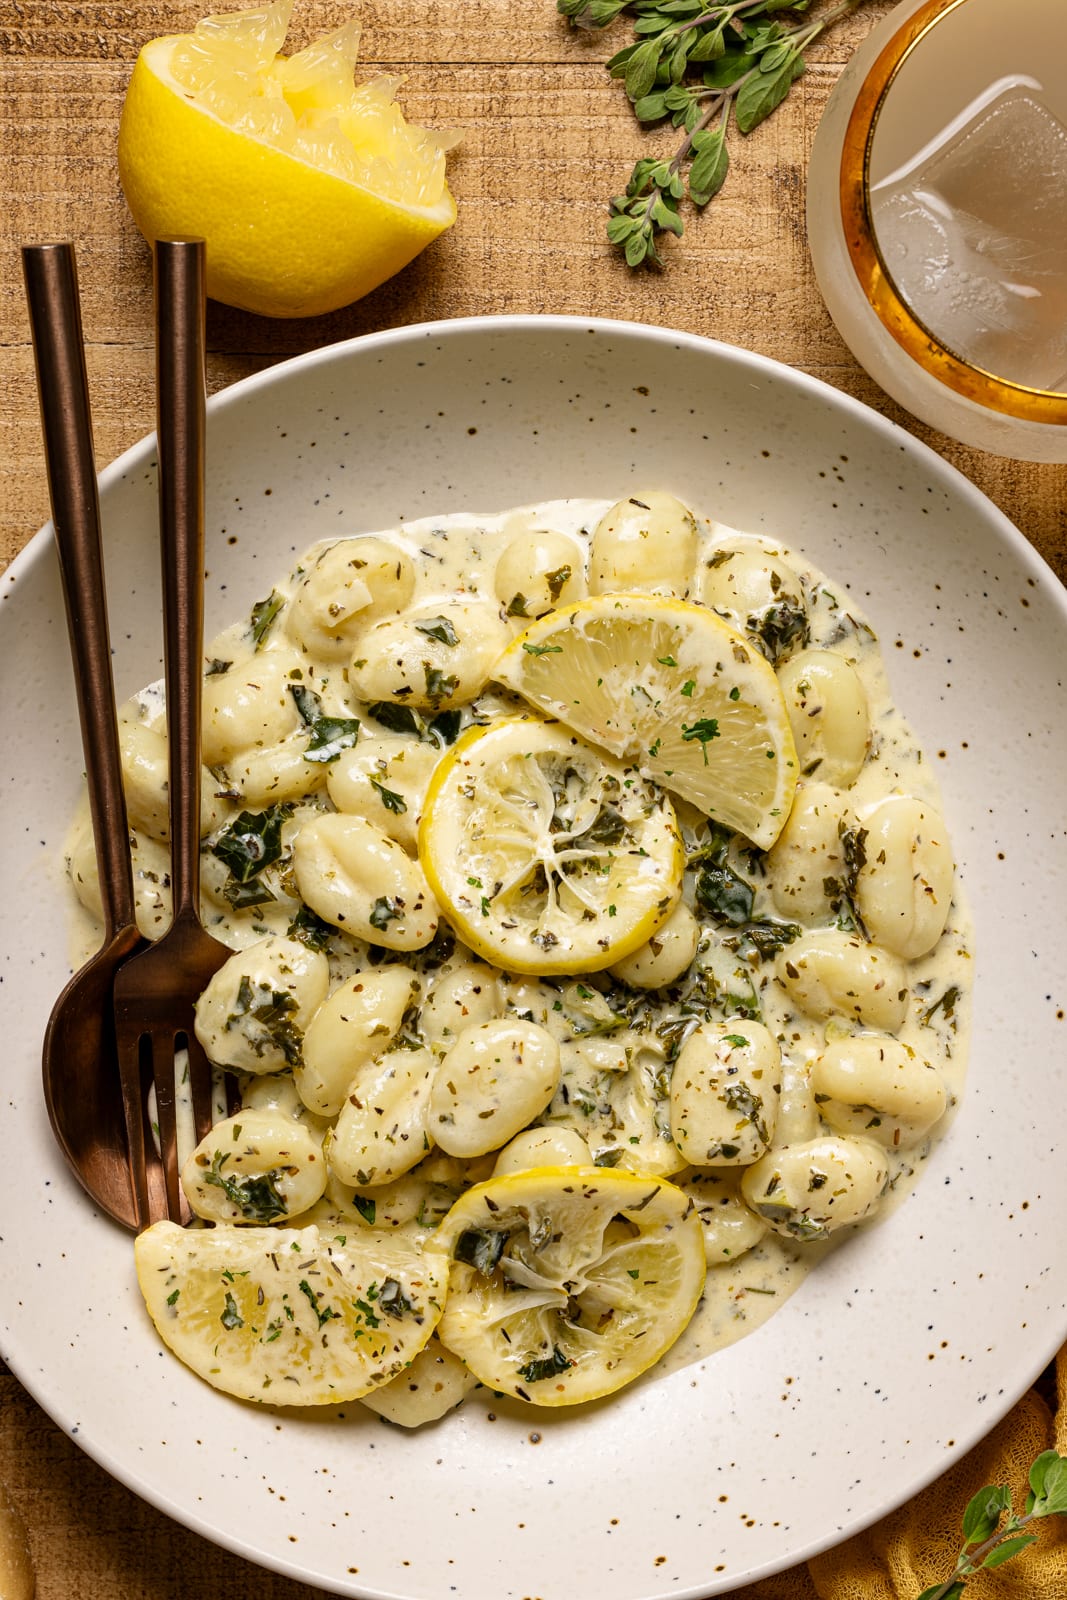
<point>550,1367</point>
<point>230,1317</point>
<point>480,1248</point>
<point>384,911</point>
<point>439,628</point>
<point>256,1196</point>
<point>323,1313</point>
<point>263,614</point>
<point>390,799</point>
<point>310,929</point>
<point>252,841</point>
<point>705,729</point>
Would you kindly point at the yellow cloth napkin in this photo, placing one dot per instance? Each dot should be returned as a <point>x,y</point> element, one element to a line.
<point>917,1545</point>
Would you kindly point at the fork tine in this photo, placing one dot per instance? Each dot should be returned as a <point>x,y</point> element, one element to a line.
<point>201,1087</point>
<point>158,1052</point>
<point>133,1104</point>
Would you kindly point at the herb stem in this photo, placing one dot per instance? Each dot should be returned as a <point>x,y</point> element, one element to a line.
<point>970,1560</point>
<point>715,66</point>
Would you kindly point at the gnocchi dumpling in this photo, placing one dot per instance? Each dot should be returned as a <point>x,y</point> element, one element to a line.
<point>807,1191</point>
<point>250,705</point>
<point>730,1227</point>
<point>829,715</point>
<point>255,1167</point>
<point>354,876</point>
<point>277,774</point>
<point>536,571</point>
<point>831,972</point>
<point>760,594</point>
<point>543,1147</point>
<point>150,861</point>
<point>437,655</point>
<point>904,887</point>
<point>360,1019</point>
<point>646,542</point>
<point>878,1087</point>
<point>253,1013</point>
<point>345,586</point>
<point>724,1093</point>
<point>497,1077</point>
<point>384,779</point>
<point>434,1384</point>
<point>668,953</point>
<point>382,1131</point>
<point>807,865</point>
<point>145,781</point>
<point>460,996</point>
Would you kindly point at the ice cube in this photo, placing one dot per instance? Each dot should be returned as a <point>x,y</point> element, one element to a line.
<point>974,235</point>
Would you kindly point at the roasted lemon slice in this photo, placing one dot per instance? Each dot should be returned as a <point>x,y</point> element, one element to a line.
<point>291,1316</point>
<point>546,855</point>
<point>567,1282</point>
<point>673,689</point>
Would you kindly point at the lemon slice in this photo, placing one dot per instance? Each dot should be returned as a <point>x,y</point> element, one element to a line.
<point>567,1282</point>
<point>309,191</point>
<point>672,688</point>
<point>291,1316</point>
<point>546,855</point>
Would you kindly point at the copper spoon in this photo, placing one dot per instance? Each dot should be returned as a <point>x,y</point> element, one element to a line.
<point>155,993</point>
<point>79,1066</point>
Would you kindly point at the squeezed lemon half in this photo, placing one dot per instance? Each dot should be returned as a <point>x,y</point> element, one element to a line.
<point>568,1282</point>
<point>673,689</point>
<point>309,191</point>
<point>291,1316</point>
<point>547,855</point>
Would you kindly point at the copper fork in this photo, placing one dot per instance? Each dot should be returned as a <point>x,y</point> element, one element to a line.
<point>155,992</point>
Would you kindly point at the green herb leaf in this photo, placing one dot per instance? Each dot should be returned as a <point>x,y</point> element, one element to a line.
<point>760,95</point>
<point>983,1513</point>
<point>310,929</point>
<point>252,841</point>
<point>711,163</point>
<point>1007,1549</point>
<point>550,1367</point>
<point>256,1195</point>
<point>384,911</point>
<point>329,737</point>
<point>439,628</point>
<point>390,799</point>
<point>480,1248</point>
<point>263,614</point>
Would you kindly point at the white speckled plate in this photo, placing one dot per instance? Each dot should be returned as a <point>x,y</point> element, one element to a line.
<point>915,1337</point>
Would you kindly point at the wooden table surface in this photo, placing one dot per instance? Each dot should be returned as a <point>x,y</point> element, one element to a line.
<point>547,138</point>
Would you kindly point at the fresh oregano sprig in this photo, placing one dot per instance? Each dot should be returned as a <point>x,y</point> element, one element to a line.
<point>700,65</point>
<point>989,1539</point>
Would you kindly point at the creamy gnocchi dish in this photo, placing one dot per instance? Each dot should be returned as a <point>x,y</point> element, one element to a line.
<point>598,957</point>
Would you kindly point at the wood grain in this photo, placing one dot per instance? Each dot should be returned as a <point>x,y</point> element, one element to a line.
<point>547,138</point>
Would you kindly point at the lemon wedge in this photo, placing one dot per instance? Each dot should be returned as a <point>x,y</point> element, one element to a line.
<point>546,855</point>
<point>567,1282</point>
<point>308,190</point>
<point>291,1316</point>
<point>673,689</point>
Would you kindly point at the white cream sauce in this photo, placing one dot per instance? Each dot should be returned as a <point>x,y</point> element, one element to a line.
<point>455,555</point>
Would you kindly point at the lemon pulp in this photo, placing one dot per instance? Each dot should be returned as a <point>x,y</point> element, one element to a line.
<point>547,855</point>
<point>567,1283</point>
<point>291,1316</point>
<point>672,688</point>
<point>308,189</point>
